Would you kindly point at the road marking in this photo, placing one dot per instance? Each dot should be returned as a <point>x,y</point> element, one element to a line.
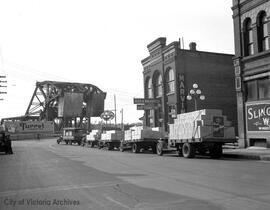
<point>116,202</point>
<point>59,188</point>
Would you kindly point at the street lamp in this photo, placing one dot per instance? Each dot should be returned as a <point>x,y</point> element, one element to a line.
<point>195,93</point>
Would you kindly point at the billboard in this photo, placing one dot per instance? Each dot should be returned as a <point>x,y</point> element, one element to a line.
<point>30,126</point>
<point>70,105</point>
<point>258,116</point>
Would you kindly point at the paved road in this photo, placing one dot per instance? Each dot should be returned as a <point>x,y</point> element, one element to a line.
<point>44,175</point>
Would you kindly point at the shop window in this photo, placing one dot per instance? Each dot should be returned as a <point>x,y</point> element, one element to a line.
<point>170,81</point>
<point>149,90</point>
<point>248,38</point>
<point>251,88</point>
<point>158,86</point>
<point>264,88</point>
<point>262,29</point>
<point>258,89</point>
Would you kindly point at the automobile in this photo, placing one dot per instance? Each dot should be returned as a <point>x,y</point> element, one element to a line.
<point>72,135</point>
<point>5,143</point>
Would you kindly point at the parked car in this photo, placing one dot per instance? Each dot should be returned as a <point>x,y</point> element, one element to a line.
<point>5,143</point>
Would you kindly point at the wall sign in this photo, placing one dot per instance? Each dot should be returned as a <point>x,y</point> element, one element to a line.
<point>258,116</point>
<point>182,92</point>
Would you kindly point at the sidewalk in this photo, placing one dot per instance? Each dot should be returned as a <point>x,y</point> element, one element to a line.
<point>250,153</point>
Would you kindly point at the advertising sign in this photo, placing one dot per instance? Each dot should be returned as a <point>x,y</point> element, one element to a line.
<point>30,127</point>
<point>258,116</point>
<point>146,100</point>
<point>146,107</point>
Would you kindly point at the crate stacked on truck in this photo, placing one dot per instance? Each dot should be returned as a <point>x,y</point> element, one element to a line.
<point>140,137</point>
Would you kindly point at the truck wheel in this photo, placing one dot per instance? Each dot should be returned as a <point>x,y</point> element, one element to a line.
<point>135,148</point>
<point>188,150</point>
<point>216,151</point>
<point>159,149</point>
<point>66,142</point>
<point>70,142</point>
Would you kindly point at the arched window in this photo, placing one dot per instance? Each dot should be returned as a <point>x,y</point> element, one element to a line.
<point>149,91</point>
<point>248,38</point>
<point>158,86</point>
<point>169,81</point>
<point>263,41</point>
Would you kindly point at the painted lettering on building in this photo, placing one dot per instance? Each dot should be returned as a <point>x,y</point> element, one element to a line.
<point>258,117</point>
<point>182,93</point>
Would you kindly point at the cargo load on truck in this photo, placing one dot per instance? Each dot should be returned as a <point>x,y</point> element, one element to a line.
<point>140,137</point>
<point>203,131</point>
<point>111,139</point>
<point>92,138</point>
<point>201,124</point>
<point>143,133</point>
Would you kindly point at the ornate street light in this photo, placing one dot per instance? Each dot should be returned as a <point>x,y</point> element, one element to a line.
<point>195,93</point>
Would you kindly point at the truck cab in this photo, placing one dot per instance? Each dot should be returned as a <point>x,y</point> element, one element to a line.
<point>72,135</point>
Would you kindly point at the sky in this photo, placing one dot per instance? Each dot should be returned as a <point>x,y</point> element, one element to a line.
<point>99,42</point>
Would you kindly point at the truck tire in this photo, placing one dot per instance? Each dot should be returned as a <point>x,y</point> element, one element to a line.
<point>66,141</point>
<point>188,150</point>
<point>216,151</point>
<point>135,148</point>
<point>159,149</point>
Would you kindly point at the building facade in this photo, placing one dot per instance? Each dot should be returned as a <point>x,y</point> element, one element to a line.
<point>170,72</point>
<point>251,20</point>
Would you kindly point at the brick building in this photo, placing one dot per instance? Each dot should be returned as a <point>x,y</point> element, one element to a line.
<point>170,72</point>
<point>252,70</point>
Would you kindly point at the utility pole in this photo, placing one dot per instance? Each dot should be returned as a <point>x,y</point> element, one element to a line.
<point>115,110</point>
<point>122,119</point>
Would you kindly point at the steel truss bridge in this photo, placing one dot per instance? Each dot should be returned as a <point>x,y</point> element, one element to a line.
<point>64,103</point>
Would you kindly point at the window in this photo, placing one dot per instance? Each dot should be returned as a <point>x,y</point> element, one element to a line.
<point>248,38</point>
<point>149,92</point>
<point>158,86</point>
<point>263,41</point>
<point>251,90</point>
<point>258,89</point>
<point>170,81</point>
<point>264,88</point>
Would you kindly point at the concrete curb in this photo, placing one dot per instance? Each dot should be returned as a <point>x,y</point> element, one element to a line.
<point>247,156</point>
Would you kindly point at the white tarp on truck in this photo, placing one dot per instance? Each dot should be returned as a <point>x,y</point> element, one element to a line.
<point>140,133</point>
<point>206,123</point>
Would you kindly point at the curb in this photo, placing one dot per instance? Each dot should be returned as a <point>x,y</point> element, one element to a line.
<point>248,156</point>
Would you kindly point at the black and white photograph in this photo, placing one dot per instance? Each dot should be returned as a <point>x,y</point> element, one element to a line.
<point>134,105</point>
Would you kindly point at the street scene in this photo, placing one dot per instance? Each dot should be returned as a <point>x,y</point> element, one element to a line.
<point>45,175</point>
<point>135,104</point>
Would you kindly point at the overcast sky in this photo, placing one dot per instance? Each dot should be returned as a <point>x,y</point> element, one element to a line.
<point>101,42</point>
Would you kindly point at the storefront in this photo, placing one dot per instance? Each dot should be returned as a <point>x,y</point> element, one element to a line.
<point>252,71</point>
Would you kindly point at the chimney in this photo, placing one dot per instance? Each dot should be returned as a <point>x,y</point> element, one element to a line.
<point>192,46</point>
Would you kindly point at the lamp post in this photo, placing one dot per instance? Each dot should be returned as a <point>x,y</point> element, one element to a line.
<point>195,93</point>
